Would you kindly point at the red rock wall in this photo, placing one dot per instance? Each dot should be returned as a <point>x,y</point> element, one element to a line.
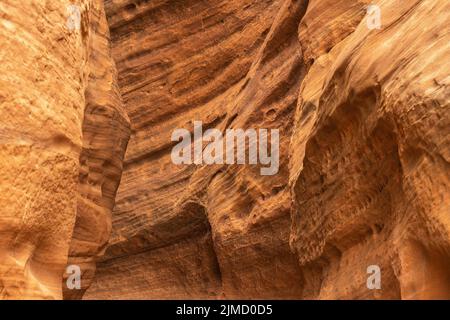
<point>363,178</point>
<point>178,230</point>
<point>106,130</point>
<point>369,170</point>
<point>364,145</point>
<point>63,134</point>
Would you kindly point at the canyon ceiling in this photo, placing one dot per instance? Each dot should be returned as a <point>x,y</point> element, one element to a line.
<point>86,176</point>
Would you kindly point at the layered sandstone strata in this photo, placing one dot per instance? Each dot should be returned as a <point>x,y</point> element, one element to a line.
<point>63,133</point>
<point>202,231</point>
<point>106,130</point>
<point>364,178</point>
<point>364,172</point>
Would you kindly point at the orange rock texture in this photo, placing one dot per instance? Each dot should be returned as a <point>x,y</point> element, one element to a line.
<point>363,179</point>
<point>369,170</point>
<point>63,135</point>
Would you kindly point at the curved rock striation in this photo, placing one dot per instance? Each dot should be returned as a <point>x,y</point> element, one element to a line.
<point>363,179</point>
<point>370,161</point>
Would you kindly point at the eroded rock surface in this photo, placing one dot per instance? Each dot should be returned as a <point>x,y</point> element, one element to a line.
<point>106,130</point>
<point>178,230</point>
<point>364,145</point>
<point>62,137</point>
<point>363,180</point>
<point>370,155</point>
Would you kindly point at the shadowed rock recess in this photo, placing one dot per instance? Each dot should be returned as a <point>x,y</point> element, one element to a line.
<point>86,176</point>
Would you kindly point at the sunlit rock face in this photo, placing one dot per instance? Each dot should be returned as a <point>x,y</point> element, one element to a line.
<point>359,91</point>
<point>62,137</point>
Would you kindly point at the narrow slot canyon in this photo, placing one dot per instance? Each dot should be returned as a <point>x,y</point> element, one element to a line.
<point>92,91</point>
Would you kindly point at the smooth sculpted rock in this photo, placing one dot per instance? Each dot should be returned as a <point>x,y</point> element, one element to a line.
<point>202,231</point>
<point>106,130</point>
<point>50,82</point>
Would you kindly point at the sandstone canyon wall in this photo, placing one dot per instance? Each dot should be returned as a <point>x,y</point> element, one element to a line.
<point>363,178</point>
<point>63,136</point>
